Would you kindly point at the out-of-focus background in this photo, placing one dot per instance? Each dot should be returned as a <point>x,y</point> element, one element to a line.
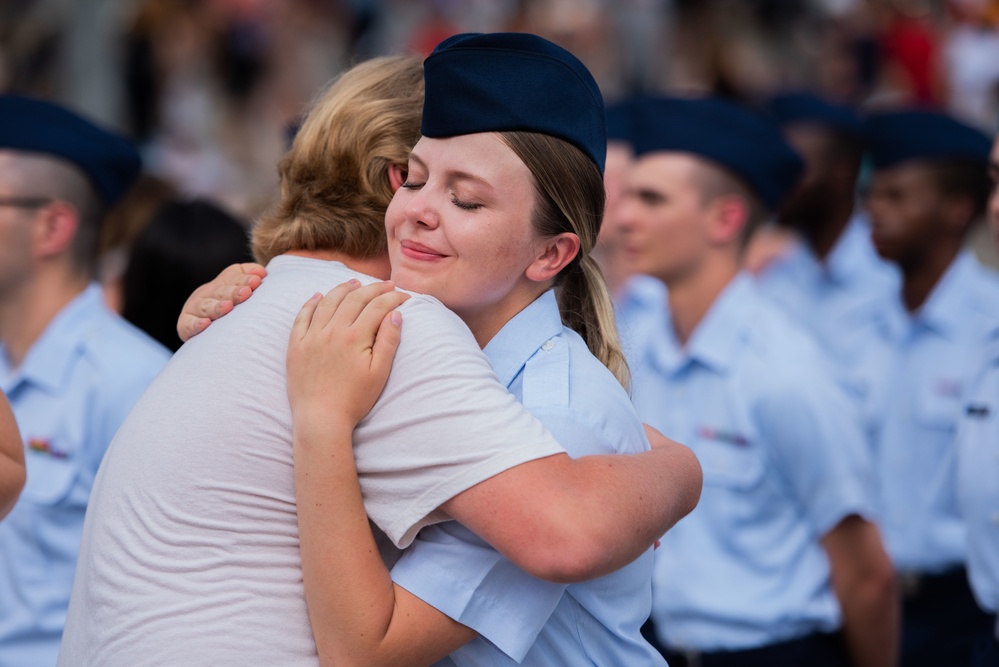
<point>209,88</point>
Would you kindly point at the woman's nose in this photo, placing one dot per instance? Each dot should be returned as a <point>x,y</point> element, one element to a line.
<point>422,209</point>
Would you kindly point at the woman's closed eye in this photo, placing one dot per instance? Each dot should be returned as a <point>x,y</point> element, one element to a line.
<point>411,185</point>
<point>464,205</point>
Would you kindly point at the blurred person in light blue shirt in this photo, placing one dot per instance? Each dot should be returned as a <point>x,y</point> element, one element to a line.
<point>928,186</point>
<point>978,460</point>
<point>978,487</point>
<point>829,278</point>
<point>70,368</point>
<point>780,563</point>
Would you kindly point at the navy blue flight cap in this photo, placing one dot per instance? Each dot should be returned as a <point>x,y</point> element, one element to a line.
<point>38,126</point>
<point>900,136</point>
<point>806,107</point>
<point>745,142</point>
<point>512,82</point>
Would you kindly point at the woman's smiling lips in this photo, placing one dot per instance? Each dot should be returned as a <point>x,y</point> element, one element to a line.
<point>418,251</point>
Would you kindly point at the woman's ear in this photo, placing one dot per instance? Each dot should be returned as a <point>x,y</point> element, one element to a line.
<point>396,175</point>
<point>556,253</point>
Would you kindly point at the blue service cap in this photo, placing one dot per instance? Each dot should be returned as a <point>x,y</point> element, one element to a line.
<point>38,126</point>
<point>621,118</point>
<point>806,107</point>
<point>899,136</point>
<point>740,139</point>
<point>512,82</point>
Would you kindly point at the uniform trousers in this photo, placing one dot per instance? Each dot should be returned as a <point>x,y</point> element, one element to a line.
<point>814,650</point>
<point>942,625</point>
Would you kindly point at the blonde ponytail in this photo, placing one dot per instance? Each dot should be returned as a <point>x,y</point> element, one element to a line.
<point>586,307</point>
<point>571,199</point>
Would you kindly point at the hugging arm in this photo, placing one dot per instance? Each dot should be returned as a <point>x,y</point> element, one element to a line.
<point>11,459</point>
<point>569,520</point>
<point>335,374</point>
<point>217,298</point>
<point>562,519</point>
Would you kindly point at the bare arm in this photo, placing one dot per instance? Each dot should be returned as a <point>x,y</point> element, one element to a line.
<point>217,298</point>
<point>569,520</point>
<point>11,459</point>
<point>864,582</point>
<point>562,519</point>
<point>358,616</point>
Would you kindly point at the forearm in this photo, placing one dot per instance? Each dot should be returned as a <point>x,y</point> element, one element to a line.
<point>871,620</point>
<point>358,616</point>
<point>11,483</point>
<point>347,587</point>
<point>568,520</point>
<point>12,474</point>
<point>629,502</point>
<point>864,583</point>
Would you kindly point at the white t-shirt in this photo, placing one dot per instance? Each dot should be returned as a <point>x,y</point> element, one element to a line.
<point>190,551</point>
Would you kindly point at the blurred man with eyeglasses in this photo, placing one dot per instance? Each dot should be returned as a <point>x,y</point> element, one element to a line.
<point>71,369</point>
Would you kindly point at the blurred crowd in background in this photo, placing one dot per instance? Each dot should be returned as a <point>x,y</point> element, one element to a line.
<point>212,92</point>
<point>210,88</point>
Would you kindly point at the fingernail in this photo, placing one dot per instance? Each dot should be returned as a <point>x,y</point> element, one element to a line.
<point>396,318</point>
<point>316,297</point>
<point>354,281</point>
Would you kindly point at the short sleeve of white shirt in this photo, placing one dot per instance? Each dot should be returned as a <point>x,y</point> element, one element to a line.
<point>442,424</point>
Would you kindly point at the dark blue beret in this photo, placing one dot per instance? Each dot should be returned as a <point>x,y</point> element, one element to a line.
<point>512,81</point>
<point>899,136</point>
<point>37,126</point>
<point>744,141</point>
<point>805,107</point>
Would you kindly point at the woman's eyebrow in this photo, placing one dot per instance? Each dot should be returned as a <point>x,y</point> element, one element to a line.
<point>453,174</point>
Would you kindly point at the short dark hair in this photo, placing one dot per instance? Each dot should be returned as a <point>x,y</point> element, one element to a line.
<point>964,178</point>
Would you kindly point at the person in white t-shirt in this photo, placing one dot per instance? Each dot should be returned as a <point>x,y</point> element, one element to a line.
<point>191,546</point>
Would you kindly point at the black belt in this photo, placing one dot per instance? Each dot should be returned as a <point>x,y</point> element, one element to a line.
<point>815,650</point>
<point>915,585</point>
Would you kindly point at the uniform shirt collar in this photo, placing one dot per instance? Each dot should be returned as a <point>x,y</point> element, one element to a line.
<point>846,262</point>
<point>49,358</point>
<point>717,338</point>
<point>945,309</point>
<point>850,256</point>
<point>521,337</point>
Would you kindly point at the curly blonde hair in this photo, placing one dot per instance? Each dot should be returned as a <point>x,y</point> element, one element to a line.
<point>334,179</point>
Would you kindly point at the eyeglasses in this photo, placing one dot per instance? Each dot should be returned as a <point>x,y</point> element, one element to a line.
<point>25,202</point>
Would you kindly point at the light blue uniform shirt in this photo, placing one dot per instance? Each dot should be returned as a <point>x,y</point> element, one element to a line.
<point>69,396</point>
<point>978,478</point>
<point>784,461</point>
<point>634,305</point>
<point>837,300</point>
<point>520,619</point>
<point>916,369</point>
